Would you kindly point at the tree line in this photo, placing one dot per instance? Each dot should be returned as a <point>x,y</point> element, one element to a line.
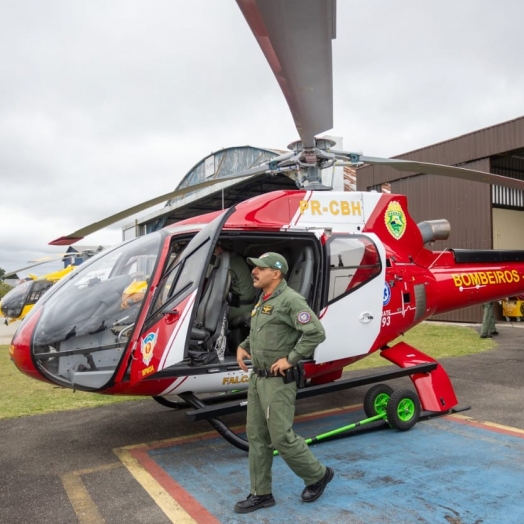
<point>4,288</point>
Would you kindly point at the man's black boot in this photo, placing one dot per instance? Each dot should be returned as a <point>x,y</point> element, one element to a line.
<point>254,502</point>
<point>314,491</point>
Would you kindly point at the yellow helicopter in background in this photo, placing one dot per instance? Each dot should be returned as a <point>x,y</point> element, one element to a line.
<point>17,303</point>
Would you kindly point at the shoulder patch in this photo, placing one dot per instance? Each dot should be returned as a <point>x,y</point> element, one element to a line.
<point>303,317</point>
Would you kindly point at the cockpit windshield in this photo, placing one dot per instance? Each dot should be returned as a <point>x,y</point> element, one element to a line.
<point>14,301</point>
<point>85,325</point>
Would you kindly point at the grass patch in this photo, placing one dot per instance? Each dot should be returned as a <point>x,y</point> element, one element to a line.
<point>436,340</point>
<point>23,396</point>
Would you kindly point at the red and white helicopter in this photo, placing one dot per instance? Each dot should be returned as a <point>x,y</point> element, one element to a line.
<point>148,317</point>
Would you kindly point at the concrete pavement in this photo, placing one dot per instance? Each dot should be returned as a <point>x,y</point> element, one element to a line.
<point>79,466</point>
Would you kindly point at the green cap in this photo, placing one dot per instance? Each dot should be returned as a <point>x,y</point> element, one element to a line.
<point>272,260</point>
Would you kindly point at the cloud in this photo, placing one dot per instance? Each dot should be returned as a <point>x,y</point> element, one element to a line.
<point>106,104</point>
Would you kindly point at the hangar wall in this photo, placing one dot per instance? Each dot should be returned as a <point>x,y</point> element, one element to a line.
<point>466,205</point>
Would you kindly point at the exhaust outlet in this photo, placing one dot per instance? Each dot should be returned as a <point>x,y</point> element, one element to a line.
<point>432,230</point>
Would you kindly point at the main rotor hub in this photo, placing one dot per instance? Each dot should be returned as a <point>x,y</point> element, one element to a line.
<point>309,162</point>
<point>323,144</point>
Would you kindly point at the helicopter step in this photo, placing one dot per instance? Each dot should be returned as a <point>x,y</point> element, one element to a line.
<point>205,412</point>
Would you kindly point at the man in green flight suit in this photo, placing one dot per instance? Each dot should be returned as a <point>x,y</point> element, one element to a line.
<point>488,328</point>
<point>284,330</point>
<point>241,285</point>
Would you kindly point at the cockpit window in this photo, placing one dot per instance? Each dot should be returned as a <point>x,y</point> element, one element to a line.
<point>353,261</point>
<point>85,326</point>
<point>14,301</point>
<point>185,269</point>
<point>167,288</point>
<point>39,288</point>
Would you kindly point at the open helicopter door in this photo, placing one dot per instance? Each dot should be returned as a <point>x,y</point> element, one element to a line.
<point>355,292</point>
<point>175,312</point>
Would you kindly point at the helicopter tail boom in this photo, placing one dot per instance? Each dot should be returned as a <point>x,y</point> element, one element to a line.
<point>467,277</point>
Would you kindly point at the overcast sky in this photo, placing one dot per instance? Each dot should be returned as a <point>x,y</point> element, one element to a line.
<point>106,103</point>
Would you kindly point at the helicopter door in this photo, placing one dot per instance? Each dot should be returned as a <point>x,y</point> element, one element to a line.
<point>170,324</point>
<point>355,286</point>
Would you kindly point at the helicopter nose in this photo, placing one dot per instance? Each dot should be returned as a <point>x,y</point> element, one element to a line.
<point>20,348</point>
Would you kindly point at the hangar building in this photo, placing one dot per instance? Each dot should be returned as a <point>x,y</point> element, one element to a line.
<point>481,216</point>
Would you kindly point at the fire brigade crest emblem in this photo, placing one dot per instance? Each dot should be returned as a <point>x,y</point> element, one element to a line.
<point>395,220</point>
<point>147,345</point>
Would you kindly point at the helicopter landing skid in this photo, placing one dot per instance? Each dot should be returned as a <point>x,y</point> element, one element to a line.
<point>204,410</point>
<point>217,424</point>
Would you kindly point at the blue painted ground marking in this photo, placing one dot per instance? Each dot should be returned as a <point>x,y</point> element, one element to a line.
<point>441,471</point>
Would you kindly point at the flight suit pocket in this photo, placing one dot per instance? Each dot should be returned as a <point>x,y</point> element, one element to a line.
<point>267,336</point>
<point>280,420</point>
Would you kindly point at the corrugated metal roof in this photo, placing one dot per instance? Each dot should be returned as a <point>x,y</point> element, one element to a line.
<point>217,165</point>
<point>223,163</point>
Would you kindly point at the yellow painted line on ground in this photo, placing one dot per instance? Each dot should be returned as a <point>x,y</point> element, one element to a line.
<point>83,505</point>
<point>173,511</point>
<point>494,425</point>
<point>506,428</point>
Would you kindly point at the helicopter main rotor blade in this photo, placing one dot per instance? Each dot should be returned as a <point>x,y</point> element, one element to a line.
<point>295,37</point>
<point>51,258</point>
<point>45,260</point>
<point>77,235</point>
<point>472,175</point>
<point>11,273</point>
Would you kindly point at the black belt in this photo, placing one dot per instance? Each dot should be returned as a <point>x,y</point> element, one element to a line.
<point>264,373</point>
